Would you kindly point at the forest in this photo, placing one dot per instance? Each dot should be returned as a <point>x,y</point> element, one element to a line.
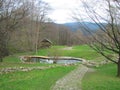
<point>23,26</point>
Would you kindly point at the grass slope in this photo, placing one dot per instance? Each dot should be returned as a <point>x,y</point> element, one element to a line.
<point>103,79</point>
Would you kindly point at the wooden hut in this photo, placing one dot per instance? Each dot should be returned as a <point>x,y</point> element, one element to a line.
<point>45,43</point>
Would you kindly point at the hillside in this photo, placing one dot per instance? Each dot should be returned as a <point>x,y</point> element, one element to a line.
<point>80,25</point>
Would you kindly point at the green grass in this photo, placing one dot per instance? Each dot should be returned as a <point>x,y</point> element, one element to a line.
<point>104,78</point>
<point>33,80</point>
<point>14,61</point>
<point>85,52</point>
<point>82,51</point>
<point>46,52</point>
<point>6,65</point>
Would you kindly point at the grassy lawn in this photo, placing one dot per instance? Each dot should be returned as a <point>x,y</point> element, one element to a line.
<point>82,51</point>
<point>104,78</point>
<point>14,61</point>
<point>33,80</point>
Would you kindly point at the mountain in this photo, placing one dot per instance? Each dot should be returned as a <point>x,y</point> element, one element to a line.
<point>81,26</point>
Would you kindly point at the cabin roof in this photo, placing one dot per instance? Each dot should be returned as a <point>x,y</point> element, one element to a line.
<point>46,40</point>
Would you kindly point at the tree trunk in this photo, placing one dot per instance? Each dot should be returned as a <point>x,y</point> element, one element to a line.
<point>118,67</point>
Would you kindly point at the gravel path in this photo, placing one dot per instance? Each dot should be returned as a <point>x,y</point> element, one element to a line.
<point>71,81</point>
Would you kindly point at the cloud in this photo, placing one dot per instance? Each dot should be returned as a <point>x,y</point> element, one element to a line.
<point>62,10</point>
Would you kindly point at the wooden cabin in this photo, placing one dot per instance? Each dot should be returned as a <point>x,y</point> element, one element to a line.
<point>45,43</point>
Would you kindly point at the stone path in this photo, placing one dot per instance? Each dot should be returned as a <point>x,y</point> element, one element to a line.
<point>71,81</point>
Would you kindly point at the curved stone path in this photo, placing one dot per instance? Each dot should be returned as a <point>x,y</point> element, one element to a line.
<point>72,81</point>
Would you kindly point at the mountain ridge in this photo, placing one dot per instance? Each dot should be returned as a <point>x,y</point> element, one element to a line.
<point>74,26</point>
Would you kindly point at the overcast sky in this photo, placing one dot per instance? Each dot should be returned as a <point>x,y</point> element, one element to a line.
<point>62,9</point>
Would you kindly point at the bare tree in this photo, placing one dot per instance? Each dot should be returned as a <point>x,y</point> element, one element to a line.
<point>12,12</point>
<point>107,40</point>
<point>39,12</point>
<point>21,22</point>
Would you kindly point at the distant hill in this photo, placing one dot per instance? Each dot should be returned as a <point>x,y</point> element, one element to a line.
<point>80,26</point>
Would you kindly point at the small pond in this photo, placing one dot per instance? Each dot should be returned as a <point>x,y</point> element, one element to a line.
<point>59,61</point>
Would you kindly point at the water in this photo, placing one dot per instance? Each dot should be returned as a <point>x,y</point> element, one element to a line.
<point>59,61</point>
